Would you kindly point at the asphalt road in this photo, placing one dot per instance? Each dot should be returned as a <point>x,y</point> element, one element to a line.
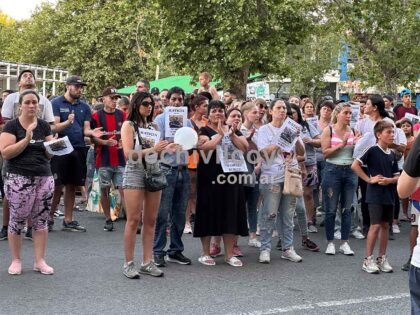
<point>88,280</point>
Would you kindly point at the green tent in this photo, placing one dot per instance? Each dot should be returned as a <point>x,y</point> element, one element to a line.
<point>182,81</point>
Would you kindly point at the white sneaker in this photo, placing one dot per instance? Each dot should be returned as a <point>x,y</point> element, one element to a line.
<point>396,229</point>
<point>312,228</point>
<point>253,242</point>
<point>369,265</point>
<point>274,234</point>
<point>187,228</point>
<point>264,256</point>
<point>330,249</point>
<point>291,255</point>
<point>345,249</point>
<point>383,264</point>
<point>337,235</point>
<point>357,235</point>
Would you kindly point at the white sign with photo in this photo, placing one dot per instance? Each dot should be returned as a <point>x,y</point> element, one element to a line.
<point>59,147</point>
<point>149,138</point>
<point>413,118</point>
<point>231,158</point>
<point>289,134</point>
<point>355,114</point>
<point>175,118</point>
<point>313,121</point>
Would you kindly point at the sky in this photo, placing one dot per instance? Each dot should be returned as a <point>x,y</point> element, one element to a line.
<point>20,9</point>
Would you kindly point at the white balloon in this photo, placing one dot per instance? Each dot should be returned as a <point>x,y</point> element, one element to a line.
<point>186,137</point>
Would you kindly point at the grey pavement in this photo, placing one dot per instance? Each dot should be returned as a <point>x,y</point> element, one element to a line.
<point>88,280</point>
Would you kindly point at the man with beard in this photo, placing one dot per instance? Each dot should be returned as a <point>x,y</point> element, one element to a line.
<point>10,110</point>
<point>72,117</point>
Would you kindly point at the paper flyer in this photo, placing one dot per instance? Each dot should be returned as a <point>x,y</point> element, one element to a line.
<point>175,118</point>
<point>231,158</point>
<point>149,137</point>
<point>59,147</point>
<point>289,134</point>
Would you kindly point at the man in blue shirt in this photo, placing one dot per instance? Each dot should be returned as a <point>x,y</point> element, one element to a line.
<point>174,199</point>
<point>72,117</point>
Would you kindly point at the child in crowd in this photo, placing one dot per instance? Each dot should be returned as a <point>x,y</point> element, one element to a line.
<point>382,175</point>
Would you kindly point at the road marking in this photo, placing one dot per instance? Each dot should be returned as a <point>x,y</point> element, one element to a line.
<point>326,304</point>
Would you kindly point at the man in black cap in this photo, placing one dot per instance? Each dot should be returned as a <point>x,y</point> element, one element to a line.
<point>72,117</point>
<point>10,110</point>
<point>155,91</point>
<point>110,161</point>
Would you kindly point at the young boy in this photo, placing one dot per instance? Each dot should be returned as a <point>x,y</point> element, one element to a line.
<point>205,79</point>
<point>382,175</point>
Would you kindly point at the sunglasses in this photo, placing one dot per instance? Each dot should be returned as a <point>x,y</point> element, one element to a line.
<point>263,106</point>
<point>147,104</point>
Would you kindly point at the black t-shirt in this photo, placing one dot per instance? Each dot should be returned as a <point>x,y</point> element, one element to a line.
<point>412,162</point>
<point>380,163</point>
<point>32,161</point>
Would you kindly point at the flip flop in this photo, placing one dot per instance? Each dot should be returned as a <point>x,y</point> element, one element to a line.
<point>207,260</point>
<point>234,262</point>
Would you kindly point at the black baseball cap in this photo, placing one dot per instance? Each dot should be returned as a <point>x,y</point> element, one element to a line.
<point>75,80</point>
<point>154,90</point>
<point>23,71</point>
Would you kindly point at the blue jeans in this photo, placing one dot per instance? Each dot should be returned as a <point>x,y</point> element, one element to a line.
<point>338,185</point>
<point>276,207</point>
<point>300,210</point>
<point>251,197</point>
<point>414,284</point>
<point>354,216</point>
<point>173,204</point>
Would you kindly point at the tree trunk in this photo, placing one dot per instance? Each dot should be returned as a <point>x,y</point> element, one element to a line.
<point>238,82</point>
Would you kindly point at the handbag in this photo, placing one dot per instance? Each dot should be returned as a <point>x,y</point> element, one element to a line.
<point>155,178</point>
<point>292,181</point>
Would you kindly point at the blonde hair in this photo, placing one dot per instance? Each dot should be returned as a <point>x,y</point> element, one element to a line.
<point>206,75</point>
<point>337,110</point>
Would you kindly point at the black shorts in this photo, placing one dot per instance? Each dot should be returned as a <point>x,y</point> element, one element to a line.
<point>381,213</point>
<point>70,169</point>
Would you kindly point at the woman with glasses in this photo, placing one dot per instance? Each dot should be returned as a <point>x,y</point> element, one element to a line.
<point>262,112</point>
<point>311,138</point>
<point>137,147</point>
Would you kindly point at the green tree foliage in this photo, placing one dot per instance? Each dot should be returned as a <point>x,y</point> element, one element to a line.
<point>233,39</point>
<point>384,36</point>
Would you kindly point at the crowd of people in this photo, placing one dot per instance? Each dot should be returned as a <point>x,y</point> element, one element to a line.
<point>344,159</point>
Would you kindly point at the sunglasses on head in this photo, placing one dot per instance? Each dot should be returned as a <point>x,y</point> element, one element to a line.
<point>147,104</point>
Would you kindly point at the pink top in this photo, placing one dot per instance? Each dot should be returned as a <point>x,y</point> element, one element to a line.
<point>336,141</point>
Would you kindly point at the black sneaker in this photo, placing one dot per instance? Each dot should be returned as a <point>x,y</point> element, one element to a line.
<point>3,233</point>
<point>179,258</point>
<point>50,225</point>
<point>159,260</point>
<point>279,246</point>
<point>73,226</point>
<point>309,245</point>
<point>28,234</point>
<point>109,226</point>
<point>406,266</point>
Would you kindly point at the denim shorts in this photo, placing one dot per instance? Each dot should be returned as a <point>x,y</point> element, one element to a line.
<point>90,163</point>
<point>133,176</point>
<point>110,175</point>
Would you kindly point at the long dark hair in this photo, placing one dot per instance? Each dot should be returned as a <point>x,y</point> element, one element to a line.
<point>300,121</point>
<point>378,101</point>
<point>133,109</point>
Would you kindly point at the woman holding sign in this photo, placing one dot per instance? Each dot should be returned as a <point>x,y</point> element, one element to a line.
<point>140,140</point>
<point>220,195</point>
<point>276,150</point>
<point>29,184</point>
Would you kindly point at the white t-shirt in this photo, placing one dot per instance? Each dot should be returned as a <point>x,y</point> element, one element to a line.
<point>272,170</point>
<point>10,109</point>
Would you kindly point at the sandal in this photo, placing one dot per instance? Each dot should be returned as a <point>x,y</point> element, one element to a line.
<point>15,267</point>
<point>44,268</point>
<point>206,260</point>
<point>234,262</point>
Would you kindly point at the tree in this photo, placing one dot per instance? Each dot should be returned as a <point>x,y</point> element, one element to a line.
<point>232,39</point>
<point>383,37</point>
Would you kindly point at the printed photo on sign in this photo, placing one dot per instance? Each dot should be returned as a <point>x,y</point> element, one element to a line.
<point>59,147</point>
<point>231,158</point>
<point>289,134</point>
<point>149,138</point>
<point>175,118</point>
<point>313,121</point>
<point>413,118</point>
<point>355,113</point>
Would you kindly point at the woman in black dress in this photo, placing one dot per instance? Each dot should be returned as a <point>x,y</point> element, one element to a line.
<point>220,196</point>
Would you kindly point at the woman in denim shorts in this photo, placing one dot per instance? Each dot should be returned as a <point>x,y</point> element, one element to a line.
<point>139,117</point>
